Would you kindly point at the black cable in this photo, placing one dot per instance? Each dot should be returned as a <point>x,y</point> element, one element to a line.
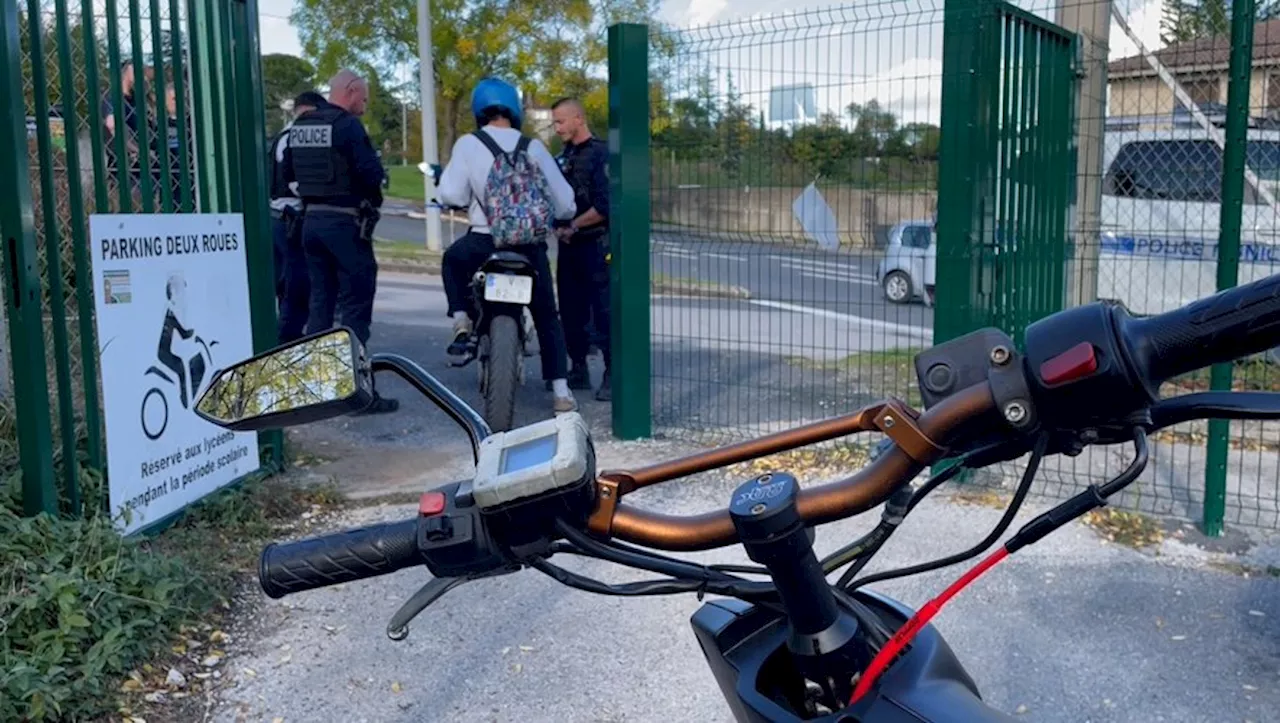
<point>857,548</point>
<point>936,481</point>
<point>744,569</point>
<point>1037,454</point>
<point>631,589</point>
<point>705,578</point>
<point>1126,478</point>
<point>862,561</point>
<point>868,545</point>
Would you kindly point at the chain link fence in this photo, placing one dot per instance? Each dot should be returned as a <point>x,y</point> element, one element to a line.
<point>794,173</point>
<point>794,176</point>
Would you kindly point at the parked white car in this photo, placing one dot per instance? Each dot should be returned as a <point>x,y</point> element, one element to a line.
<point>909,261</point>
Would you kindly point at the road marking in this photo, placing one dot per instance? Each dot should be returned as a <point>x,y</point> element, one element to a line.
<point>919,332</point>
<point>837,277</point>
<point>852,271</point>
<point>794,261</point>
<point>726,257</point>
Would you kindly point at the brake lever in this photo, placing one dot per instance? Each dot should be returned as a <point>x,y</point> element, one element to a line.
<point>398,628</point>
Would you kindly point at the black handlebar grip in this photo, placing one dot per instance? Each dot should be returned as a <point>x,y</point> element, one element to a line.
<point>1224,327</point>
<point>337,558</point>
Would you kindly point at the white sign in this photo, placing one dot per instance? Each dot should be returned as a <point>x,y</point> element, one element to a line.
<point>817,218</point>
<point>173,308</point>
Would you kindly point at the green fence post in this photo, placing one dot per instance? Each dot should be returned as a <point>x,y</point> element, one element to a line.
<point>252,125</point>
<point>629,227</point>
<point>80,219</point>
<point>22,286</point>
<point>53,245</point>
<point>1233,157</point>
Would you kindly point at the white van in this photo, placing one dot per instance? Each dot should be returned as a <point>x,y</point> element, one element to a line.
<point>1161,204</point>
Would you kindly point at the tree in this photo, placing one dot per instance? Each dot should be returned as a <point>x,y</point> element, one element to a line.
<point>735,130</point>
<point>1190,19</point>
<point>283,78</point>
<point>562,45</point>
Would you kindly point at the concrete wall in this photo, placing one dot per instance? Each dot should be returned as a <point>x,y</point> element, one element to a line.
<point>761,213</point>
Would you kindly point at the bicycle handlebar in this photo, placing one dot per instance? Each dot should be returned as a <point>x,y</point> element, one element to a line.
<point>340,557</point>
<point>1121,353</point>
<point>1221,328</point>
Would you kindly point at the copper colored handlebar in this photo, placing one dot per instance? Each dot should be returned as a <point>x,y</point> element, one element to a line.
<point>914,450</point>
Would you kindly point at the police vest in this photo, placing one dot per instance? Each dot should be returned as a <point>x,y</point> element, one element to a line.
<point>319,164</point>
<point>575,163</point>
<point>279,186</point>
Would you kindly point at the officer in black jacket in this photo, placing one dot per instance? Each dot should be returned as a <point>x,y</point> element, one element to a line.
<point>293,284</point>
<point>582,273</point>
<point>339,179</point>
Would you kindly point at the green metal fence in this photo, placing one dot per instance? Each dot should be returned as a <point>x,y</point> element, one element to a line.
<point>796,163</point>
<point>128,106</point>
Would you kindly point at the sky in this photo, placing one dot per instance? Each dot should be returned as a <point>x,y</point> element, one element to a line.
<point>850,52</point>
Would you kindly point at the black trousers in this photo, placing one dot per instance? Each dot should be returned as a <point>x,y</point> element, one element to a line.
<point>464,258</point>
<point>293,280</point>
<point>343,271</point>
<point>582,277</point>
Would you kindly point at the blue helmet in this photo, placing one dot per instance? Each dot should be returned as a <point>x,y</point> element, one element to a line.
<point>496,93</point>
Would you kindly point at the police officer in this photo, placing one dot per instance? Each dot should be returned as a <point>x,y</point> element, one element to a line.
<point>339,179</point>
<point>293,284</point>
<point>582,274</point>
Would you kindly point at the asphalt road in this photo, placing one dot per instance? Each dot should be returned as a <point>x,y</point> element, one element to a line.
<point>786,274</point>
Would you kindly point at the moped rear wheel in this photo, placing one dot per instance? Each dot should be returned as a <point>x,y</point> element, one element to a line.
<point>502,373</point>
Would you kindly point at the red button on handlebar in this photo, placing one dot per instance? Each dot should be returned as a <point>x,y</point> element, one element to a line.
<point>431,503</point>
<point>1075,363</point>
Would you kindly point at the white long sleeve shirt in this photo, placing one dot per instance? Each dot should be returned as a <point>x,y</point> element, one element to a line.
<point>462,182</point>
<point>280,204</point>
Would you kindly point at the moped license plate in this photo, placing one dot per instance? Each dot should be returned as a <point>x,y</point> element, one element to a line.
<point>508,288</point>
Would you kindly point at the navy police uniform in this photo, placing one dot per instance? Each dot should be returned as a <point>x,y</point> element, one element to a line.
<point>293,283</point>
<point>339,179</point>
<point>582,275</point>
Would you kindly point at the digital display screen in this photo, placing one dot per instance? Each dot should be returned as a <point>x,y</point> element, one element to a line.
<point>528,454</point>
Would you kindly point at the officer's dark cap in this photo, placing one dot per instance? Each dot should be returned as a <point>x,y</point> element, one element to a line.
<point>309,98</point>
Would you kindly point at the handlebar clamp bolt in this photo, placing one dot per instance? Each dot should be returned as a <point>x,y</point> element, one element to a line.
<point>765,479</point>
<point>1000,355</point>
<point>1015,412</point>
<point>889,422</point>
<point>759,508</point>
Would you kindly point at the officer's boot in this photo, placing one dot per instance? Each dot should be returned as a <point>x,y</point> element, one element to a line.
<point>605,392</point>
<point>579,377</point>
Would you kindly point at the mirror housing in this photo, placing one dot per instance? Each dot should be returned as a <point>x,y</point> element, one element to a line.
<point>320,376</point>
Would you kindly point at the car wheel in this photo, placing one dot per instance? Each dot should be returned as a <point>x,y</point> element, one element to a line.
<point>897,287</point>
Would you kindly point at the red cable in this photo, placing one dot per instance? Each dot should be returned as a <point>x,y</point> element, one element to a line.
<point>917,622</point>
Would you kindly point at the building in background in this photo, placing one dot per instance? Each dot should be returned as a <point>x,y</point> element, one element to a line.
<point>1200,66</point>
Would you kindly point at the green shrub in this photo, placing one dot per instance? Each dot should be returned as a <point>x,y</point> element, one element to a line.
<point>80,608</point>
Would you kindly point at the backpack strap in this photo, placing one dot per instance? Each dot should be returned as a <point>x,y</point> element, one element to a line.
<point>489,143</point>
<point>522,145</point>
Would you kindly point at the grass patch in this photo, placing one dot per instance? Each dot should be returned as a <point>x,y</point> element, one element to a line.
<point>1132,529</point>
<point>89,621</point>
<point>665,284</point>
<point>406,251</point>
<point>886,373</point>
<point>405,182</point>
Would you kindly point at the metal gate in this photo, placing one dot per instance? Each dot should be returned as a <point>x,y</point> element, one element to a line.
<point>195,143</point>
<point>1006,168</point>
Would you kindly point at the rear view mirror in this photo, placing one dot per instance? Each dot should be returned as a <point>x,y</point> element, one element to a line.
<point>317,377</point>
